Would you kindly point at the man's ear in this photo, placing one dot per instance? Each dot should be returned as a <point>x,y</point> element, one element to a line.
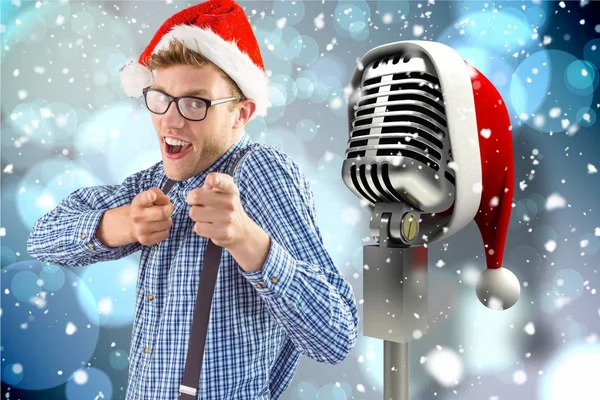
<point>244,111</point>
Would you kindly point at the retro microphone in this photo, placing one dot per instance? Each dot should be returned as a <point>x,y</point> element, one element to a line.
<point>430,149</point>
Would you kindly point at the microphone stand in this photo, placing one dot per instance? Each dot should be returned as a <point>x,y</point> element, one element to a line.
<point>395,292</point>
<point>396,376</point>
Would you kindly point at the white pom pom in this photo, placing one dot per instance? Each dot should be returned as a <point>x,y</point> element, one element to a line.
<point>498,288</point>
<point>134,78</point>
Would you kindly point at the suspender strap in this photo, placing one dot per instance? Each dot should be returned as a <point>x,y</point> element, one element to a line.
<point>208,277</point>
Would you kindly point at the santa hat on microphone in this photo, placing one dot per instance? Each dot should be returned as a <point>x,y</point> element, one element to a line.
<point>220,31</point>
<point>479,129</point>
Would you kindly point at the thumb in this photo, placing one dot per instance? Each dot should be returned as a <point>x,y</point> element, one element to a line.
<point>161,198</point>
<point>212,180</point>
<point>150,197</point>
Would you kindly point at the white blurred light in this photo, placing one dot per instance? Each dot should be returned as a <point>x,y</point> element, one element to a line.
<point>520,377</point>
<point>530,328</point>
<point>572,374</point>
<point>71,328</point>
<point>470,275</point>
<point>445,366</point>
<point>80,377</point>
<point>105,306</point>
<point>128,276</point>
<point>17,369</point>
<point>45,202</point>
<point>351,215</point>
<point>550,245</point>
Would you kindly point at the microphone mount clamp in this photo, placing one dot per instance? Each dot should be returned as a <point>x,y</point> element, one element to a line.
<point>394,224</point>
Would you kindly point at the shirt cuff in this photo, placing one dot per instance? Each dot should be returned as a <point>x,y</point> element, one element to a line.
<point>277,273</point>
<point>85,232</point>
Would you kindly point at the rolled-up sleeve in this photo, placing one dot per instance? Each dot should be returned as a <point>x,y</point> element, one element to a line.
<point>301,286</point>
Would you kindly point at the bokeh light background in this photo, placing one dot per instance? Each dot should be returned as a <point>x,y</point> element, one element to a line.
<point>67,124</point>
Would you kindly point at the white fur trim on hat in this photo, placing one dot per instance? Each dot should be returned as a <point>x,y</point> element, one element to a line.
<point>250,78</point>
<point>457,91</point>
<point>134,78</point>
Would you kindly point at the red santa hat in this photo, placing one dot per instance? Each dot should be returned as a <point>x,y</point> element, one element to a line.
<point>480,135</point>
<point>220,31</point>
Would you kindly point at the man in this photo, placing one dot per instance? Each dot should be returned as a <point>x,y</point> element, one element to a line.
<point>278,294</point>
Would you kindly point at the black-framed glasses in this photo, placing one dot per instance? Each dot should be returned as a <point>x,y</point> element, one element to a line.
<point>190,107</point>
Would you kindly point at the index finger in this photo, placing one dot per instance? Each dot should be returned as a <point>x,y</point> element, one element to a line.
<point>226,184</point>
<point>147,198</point>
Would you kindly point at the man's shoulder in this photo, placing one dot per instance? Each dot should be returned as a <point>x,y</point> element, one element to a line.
<point>265,156</point>
<point>267,167</point>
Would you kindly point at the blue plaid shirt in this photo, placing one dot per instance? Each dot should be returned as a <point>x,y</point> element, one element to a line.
<point>259,326</point>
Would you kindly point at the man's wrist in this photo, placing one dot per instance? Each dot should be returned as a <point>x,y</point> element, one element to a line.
<point>252,250</point>
<point>115,228</point>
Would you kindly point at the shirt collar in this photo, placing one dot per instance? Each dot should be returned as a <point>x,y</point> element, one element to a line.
<point>198,180</point>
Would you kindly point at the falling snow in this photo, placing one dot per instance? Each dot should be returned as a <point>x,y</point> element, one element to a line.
<point>530,328</point>
<point>555,201</point>
<point>520,377</point>
<point>71,328</point>
<point>319,21</point>
<point>486,133</point>
<point>445,366</point>
<point>550,246</point>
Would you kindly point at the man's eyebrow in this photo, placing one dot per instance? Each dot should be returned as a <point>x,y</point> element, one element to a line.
<point>193,92</point>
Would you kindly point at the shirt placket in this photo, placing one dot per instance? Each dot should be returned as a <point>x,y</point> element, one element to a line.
<point>150,312</point>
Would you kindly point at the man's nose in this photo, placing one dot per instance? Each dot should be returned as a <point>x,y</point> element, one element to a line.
<point>172,118</point>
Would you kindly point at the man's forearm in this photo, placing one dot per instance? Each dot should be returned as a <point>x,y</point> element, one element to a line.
<point>115,228</point>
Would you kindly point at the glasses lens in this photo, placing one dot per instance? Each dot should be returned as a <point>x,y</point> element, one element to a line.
<point>192,108</point>
<point>156,101</point>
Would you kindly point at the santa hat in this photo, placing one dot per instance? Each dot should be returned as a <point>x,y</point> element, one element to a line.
<point>479,129</point>
<point>220,31</point>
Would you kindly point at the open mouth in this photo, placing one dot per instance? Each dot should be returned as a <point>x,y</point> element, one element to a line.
<point>173,151</point>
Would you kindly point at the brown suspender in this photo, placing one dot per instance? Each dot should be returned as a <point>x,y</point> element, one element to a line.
<point>208,277</point>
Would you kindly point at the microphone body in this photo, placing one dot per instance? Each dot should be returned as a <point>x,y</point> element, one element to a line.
<point>399,161</point>
<point>399,150</point>
<point>416,158</point>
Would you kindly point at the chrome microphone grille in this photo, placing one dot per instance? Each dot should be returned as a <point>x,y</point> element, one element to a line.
<point>399,148</point>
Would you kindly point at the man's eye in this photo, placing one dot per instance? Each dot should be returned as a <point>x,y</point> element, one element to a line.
<point>195,104</point>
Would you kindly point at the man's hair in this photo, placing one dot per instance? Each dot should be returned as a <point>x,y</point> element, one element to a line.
<point>177,54</point>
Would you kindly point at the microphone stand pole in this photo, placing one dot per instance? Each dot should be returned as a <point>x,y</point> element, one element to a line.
<point>396,376</point>
<point>395,292</point>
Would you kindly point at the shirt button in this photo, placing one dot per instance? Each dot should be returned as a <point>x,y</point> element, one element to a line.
<point>91,247</point>
<point>260,285</point>
<point>156,247</point>
<point>150,297</point>
<point>147,349</point>
<point>274,279</point>
<point>83,236</point>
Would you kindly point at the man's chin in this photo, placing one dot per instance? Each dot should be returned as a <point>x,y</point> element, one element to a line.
<point>175,173</point>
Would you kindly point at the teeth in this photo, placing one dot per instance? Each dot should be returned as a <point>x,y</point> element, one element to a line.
<point>175,142</point>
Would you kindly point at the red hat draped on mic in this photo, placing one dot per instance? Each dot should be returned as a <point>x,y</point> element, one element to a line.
<point>481,131</point>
